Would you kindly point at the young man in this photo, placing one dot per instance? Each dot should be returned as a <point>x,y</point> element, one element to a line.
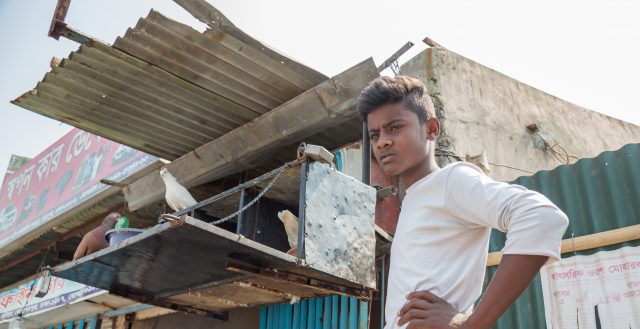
<point>439,251</point>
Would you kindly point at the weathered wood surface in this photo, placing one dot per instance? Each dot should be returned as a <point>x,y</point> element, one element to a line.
<point>330,103</point>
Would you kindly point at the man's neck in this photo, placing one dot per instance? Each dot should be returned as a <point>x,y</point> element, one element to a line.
<point>422,170</point>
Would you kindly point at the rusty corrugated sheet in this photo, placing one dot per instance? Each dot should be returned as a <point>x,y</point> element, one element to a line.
<point>223,60</point>
<point>109,93</point>
<point>598,194</point>
<point>189,87</point>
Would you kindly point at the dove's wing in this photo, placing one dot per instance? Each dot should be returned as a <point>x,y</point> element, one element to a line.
<point>290,222</point>
<point>81,251</point>
<point>172,200</point>
<point>186,198</point>
<point>178,197</point>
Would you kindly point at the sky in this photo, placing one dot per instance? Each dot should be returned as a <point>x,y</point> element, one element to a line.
<point>585,52</point>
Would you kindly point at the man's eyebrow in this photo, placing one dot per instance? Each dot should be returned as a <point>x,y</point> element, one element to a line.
<point>386,125</point>
<point>392,122</point>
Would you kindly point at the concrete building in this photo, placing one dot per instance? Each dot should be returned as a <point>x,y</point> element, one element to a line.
<point>484,110</point>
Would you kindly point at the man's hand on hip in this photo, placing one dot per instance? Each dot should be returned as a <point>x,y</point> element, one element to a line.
<point>425,310</point>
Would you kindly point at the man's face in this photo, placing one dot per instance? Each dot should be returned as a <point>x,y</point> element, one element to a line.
<point>398,140</point>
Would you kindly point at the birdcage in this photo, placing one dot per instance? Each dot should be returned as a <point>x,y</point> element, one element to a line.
<point>244,259</point>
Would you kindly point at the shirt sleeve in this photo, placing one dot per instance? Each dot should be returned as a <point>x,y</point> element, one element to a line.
<point>534,225</point>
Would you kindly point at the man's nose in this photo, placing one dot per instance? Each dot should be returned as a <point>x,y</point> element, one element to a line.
<point>383,142</point>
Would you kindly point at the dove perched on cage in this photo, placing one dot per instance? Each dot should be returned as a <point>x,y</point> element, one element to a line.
<point>175,194</point>
<point>290,222</point>
<point>95,240</point>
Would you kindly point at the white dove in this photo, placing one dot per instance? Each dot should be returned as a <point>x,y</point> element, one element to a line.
<point>176,195</point>
<point>290,222</point>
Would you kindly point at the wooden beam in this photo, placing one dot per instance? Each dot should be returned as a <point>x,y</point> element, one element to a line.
<point>587,242</point>
<point>204,12</point>
<point>329,103</point>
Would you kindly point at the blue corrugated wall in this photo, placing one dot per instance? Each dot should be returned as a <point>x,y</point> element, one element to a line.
<point>331,312</point>
<point>88,323</point>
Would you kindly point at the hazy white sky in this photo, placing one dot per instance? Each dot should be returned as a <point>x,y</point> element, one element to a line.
<point>585,52</point>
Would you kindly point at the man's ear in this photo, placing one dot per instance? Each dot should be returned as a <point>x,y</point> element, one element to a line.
<point>433,128</point>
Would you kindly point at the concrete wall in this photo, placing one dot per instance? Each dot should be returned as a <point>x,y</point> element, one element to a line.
<point>482,109</point>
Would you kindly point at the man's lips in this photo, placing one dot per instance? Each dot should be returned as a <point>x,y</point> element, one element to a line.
<point>386,157</point>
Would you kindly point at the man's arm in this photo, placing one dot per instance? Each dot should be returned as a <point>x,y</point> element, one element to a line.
<point>427,311</point>
<point>534,228</point>
<point>513,276</point>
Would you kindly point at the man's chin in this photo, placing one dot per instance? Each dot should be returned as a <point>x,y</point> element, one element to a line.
<point>391,170</point>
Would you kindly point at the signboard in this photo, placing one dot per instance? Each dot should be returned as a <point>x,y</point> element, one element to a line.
<point>20,300</point>
<point>596,291</point>
<point>60,178</point>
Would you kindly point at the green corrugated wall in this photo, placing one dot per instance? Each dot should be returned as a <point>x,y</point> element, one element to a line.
<point>598,194</point>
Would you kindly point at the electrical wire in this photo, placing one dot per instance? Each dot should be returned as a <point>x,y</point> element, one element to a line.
<point>461,158</point>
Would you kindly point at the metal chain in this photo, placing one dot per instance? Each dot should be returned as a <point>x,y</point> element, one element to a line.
<point>241,210</point>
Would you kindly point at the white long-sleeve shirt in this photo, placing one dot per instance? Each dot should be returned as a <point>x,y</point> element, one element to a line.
<point>442,238</point>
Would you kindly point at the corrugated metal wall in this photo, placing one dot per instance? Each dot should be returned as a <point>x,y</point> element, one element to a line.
<point>598,194</point>
<point>339,312</point>
<point>88,323</point>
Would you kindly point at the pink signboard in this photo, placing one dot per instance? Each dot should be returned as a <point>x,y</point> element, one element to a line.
<point>62,177</point>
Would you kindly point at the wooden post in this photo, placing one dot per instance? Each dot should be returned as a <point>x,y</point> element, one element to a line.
<point>586,242</point>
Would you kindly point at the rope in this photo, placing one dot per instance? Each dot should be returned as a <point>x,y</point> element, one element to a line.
<point>33,283</point>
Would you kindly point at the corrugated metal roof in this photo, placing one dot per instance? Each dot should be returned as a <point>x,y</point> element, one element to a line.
<point>209,84</point>
<point>223,60</point>
<point>598,194</point>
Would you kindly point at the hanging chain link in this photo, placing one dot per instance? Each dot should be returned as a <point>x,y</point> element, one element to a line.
<point>395,68</point>
<point>248,205</point>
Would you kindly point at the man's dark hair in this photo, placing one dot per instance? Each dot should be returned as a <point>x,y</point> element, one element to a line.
<point>388,90</point>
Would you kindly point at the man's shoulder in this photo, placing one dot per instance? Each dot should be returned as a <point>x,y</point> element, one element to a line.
<point>462,168</point>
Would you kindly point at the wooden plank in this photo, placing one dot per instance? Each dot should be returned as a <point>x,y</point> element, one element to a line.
<point>330,103</point>
<point>204,12</point>
<point>153,313</point>
<point>586,242</point>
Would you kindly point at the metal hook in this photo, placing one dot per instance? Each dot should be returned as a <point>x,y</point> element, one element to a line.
<point>300,151</point>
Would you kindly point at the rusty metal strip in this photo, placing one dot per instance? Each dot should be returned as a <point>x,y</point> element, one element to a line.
<point>395,56</point>
<point>60,13</point>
